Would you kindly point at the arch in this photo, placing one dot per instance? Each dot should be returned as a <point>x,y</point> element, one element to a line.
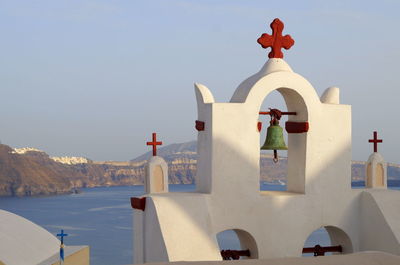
<point>284,82</point>
<point>296,142</point>
<point>273,176</point>
<point>300,97</point>
<point>337,236</point>
<point>379,175</point>
<point>158,179</point>
<point>340,237</point>
<point>246,241</point>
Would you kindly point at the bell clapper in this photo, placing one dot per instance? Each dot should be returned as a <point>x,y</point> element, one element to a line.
<point>275,117</point>
<point>275,159</point>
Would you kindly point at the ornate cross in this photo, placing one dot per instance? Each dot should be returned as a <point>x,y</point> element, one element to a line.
<point>154,143</point>
<point>375,141</point>
<point>276,41</point>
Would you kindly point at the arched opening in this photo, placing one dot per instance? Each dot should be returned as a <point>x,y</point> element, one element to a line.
<point>237,242</point>
<point>158,179</point>
<point>379,175</point>
<point>289,173</point>
<point>273,176</point>
<point>327,240</point>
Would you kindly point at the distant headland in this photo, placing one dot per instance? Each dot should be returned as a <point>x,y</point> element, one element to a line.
<point>32,172</point>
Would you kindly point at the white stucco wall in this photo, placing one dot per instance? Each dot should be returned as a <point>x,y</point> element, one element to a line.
<point>155,166</point>
<point>375,163</point>
<point>380,215</point>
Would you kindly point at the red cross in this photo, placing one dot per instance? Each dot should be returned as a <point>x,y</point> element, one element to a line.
<point>276,41</point>
<point>375,141</point>
<point>154,143</point>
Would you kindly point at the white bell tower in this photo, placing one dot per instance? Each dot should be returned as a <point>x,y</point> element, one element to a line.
<point>376,168</point>
<point>156,171</point>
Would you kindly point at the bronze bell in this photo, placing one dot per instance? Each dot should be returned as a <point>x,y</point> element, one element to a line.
<point>274,140</point>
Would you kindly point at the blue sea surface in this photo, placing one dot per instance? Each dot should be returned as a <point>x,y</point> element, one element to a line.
<point>102,219</point>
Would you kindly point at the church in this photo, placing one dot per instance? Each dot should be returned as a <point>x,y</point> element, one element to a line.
<point>171,227</point>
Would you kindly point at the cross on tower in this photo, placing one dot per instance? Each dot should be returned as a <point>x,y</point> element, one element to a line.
<point>276,41</point>
<point>375,141</point>
<point>62,235</point>
<point>154,143</point>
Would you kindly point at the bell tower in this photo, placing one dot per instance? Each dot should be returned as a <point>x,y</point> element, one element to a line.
<point>156,175</point>
<point>269,224</point>
<point>376,168</point>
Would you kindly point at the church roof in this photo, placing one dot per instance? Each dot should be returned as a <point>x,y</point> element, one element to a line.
<point>23,242</point>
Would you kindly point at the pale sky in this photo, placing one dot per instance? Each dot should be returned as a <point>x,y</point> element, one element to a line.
<point>96,78</point>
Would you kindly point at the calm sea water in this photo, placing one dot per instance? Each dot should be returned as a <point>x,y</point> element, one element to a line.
<point>102,219</point>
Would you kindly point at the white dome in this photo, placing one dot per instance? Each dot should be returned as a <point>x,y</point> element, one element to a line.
<point>23,242</point>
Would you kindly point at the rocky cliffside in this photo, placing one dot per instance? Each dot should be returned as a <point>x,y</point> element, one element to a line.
<point>33,172</point>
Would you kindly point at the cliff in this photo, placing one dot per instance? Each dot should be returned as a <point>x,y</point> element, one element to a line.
<point>32,173</point>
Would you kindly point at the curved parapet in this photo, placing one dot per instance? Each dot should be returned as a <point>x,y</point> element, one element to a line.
<point>205,100</point>
<point>203,94</point>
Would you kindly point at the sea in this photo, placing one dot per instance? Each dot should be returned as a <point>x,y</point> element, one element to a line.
<point>102,218</point>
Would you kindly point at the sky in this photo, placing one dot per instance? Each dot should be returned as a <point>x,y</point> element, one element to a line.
<point>96,78</point>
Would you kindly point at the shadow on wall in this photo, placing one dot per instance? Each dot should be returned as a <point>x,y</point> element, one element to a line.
<point>249,240</point>
<point>245,187</point>
<point>340,237</point>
